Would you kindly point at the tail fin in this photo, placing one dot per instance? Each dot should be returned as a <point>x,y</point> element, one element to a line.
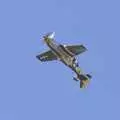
<point>84,83</point>
<point>81,84</point>
<point>84,80</point>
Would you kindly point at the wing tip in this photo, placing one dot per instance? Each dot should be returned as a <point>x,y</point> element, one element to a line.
<point>38,57</point>
<point>85,49</point>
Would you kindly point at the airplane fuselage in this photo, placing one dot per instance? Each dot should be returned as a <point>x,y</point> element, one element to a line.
<point>61,52</point>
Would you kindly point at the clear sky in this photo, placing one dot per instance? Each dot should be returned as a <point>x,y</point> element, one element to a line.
<point>31,90</point>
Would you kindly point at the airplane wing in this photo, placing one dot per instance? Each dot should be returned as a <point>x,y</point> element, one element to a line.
<point>47,56</point>
<point>76,49</point>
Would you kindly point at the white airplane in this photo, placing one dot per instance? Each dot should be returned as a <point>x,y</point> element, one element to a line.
<point>65,54</point>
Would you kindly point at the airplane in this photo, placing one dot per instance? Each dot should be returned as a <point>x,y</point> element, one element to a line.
<point>67,55</point>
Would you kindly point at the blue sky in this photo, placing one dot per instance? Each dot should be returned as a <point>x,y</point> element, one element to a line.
<point>31,90</point>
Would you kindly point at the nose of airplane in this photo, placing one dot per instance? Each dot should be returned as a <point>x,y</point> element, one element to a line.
<point>50,35</point>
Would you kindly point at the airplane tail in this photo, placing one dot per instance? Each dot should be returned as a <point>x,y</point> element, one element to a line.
<point>84,79</point>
